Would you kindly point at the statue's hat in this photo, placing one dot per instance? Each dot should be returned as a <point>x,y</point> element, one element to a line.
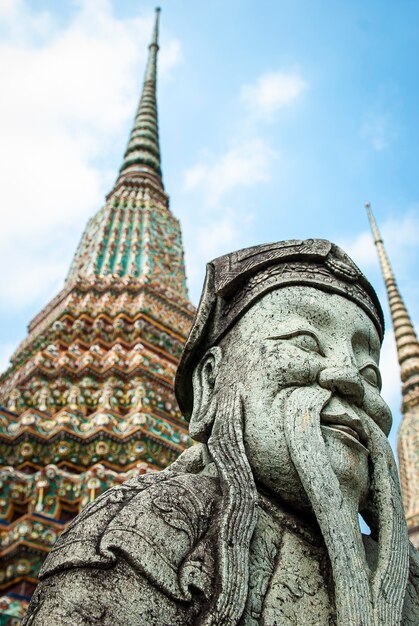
<point>234,281</point>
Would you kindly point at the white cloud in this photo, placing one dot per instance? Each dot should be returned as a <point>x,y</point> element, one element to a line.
<point>244,164</point>
<point>218,237</point>
<point>241,166</point>
<point>361,249</point>
<point>249,161</point>
<point>68,91</point>
<point>379,130</point>
<point>272,91</point>
<point>401,235</point>
<point>34,24</point>
<point>7,7</point>
<point>6,350</point>
<point>222,228</point>
<point>221,231</point>
<point>35,273</point>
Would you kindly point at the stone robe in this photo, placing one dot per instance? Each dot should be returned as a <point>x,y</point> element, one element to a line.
<point>144,554</point>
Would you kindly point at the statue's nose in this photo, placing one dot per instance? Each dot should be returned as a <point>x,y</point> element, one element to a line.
<point>345,381</point>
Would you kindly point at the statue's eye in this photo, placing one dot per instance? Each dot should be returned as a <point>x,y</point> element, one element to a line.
<point>371,374</point>
<point>304,340</point>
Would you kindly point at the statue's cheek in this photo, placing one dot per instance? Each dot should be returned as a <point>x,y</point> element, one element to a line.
<point>377,409</point>
<point>289,367</point>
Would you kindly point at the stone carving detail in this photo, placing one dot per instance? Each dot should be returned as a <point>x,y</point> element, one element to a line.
<point>258,523</point>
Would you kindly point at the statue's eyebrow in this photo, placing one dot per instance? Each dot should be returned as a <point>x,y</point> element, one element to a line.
<point>294,333</point>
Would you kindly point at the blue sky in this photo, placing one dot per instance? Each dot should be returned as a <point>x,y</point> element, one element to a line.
<point>278,120</point>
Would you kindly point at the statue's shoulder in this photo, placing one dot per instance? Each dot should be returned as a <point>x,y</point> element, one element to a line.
<point>154,522</point>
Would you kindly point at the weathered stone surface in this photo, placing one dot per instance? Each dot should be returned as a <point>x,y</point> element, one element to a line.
<point>257,523</point>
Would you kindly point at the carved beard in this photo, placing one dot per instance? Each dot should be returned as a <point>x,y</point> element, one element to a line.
<point>362,597</point>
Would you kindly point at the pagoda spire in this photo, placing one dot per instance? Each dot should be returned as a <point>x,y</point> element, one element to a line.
<point>90,389</point>
<point>135,237</point>
<point>142,155</point>
<point>408,356</point>
<point>406,339</point>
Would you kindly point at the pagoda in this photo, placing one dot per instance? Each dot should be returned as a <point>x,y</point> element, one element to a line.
<point>408,356</point>
<point>88,399</point>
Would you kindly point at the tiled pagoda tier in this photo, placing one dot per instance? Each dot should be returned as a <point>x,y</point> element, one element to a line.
<point>88,399</point>
<point>408,355</point>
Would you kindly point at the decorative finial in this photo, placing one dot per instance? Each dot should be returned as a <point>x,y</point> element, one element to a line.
<point>155,37</point>
<point>142,156</point>
<point>377,237</point>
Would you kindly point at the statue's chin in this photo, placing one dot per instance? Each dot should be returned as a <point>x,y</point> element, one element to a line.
<point>292,499</point>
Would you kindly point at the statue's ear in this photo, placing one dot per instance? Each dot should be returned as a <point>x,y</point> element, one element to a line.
<point>203,382</point>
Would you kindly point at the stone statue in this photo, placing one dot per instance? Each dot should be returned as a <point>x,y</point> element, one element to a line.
<point>259,522</point>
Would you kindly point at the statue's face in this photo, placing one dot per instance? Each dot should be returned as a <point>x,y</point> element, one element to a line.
<point>303,337</point>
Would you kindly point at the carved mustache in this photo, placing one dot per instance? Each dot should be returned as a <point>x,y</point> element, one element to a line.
<point>341,417</point>
<point>337,415</point>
